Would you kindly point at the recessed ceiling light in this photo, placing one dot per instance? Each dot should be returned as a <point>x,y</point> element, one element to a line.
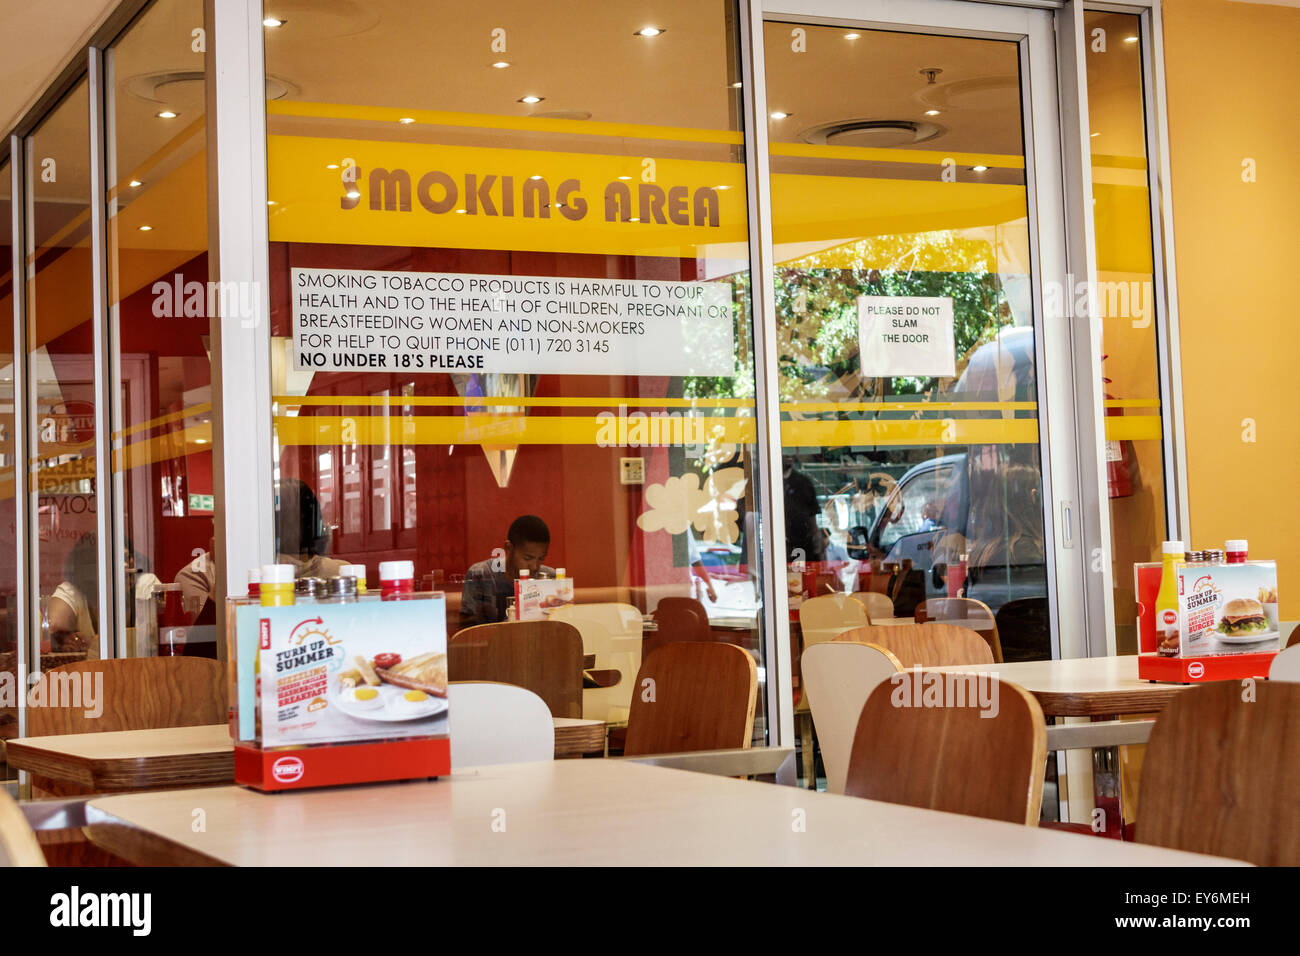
<point>460,212</point>
<point>1130,39</point>
<point>721,187</point>
<point>135,184</point>
<point>406,120</point>
<point>931,112</point>
<point>166,114</point>
<point>978,169</point>
<point>1095,135</point>
<point>625,178</point>
<point>534,177</point>
<point>852,36</point>
<point>200,441</point>
<point>353,194</point>
<point>649,31</point>
<point>332,166</point>
<point>635,219</point>
<point>737,85</point>
<point>530,99</point>
<point>146,228</point>
<point>272,22</point>
<point>270,202</point>
<point>500,65</point>
<point>778,114</point>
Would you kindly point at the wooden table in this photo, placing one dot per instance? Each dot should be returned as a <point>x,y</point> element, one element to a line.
<point>584,813</point>
<point>576,736</point>
<point>1083,687</point>
<point>130,759</point>
<point>1095,687</point>
<point>189,756</point>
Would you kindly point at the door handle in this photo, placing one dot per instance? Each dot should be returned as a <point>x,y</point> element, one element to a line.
<point>1067,524</point>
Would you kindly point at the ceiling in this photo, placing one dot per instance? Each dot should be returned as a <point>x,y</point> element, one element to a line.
<point>37,39</point>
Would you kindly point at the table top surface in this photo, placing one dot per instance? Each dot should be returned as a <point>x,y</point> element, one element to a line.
<point>587,812</point>
<point>130,744</point>
<point>1085,686</point>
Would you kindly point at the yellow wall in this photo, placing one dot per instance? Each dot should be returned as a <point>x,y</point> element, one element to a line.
<point>1232,70</point>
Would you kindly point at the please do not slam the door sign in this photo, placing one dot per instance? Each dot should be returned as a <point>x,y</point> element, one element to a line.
<point>906,335</point>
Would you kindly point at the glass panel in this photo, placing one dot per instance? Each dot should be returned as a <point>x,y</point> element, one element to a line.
<point>514,280</point>
<point>158,292</point>
<point>60,340</point>
<point>905,323</point>
<point>1126,299</point>
<point>9,624</point>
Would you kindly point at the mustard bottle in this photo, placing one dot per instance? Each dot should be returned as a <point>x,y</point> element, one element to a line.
<point>1167,599</point>
<point>277,585</point>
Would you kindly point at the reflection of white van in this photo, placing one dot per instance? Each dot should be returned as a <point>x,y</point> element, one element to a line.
<point>985,501</point>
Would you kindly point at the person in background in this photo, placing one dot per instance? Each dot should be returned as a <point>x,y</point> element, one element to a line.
<point>490,584</point>
<point>697,566</point>
<point>832,551</point>
<point>71,615</point>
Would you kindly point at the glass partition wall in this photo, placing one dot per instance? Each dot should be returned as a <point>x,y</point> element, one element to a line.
<point>512,279</point>
<point>513,271</point>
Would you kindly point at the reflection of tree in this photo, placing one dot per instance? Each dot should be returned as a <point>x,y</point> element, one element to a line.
<point>817,320</point>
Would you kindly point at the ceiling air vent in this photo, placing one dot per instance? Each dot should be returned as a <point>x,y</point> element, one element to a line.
<point>877,133</point>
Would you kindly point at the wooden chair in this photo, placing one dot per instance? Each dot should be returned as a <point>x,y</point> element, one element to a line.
<point>133,693</point>
<point>138,693</point>
<point>964,612</point>
<point>1294,639</point>
<point>1286,666</point>
<point>544,657</point>
<point>612,634</point>
<point>1220,775</point>
<point>925,645</point>
<point>701,697</point>
<point>18,845</point>
<point>823,617</point>
<point>678,619</point>
<point>953,758</point>
<point>497,723</point>
<point>838,679</point>
<point>878,604</point>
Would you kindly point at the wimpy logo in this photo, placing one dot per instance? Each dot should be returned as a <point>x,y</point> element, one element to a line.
<point>103,909</point>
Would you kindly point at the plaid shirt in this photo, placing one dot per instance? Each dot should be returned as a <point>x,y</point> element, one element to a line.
<point>486,591</point>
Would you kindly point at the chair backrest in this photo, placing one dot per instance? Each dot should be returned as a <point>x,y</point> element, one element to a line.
<point>18,846</point>
<point>131,693</point>
<point>965,612</point>
<point>925,645</point>
<point>838,677</point>
<point>1286,666</point>
<point>1294,639</point>
<point>612,634</point>
<point>953,757</point>
<point>1219,775</point>
<point>1024,631</point>
<point>678,619</point>
<point>544,657</point>
<point>497,723</point>
<point>824,616</point>
<point>699,697</point>
<point>877,603</point>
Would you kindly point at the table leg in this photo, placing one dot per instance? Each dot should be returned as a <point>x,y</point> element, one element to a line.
<point>1106,790</point>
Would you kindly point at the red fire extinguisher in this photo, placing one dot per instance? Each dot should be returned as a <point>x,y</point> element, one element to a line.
<point>1119,476</point>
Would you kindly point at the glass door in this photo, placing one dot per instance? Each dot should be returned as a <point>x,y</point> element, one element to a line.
<point>925,374</point>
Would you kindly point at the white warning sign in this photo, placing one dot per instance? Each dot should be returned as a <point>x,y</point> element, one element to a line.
<point>906,335</point>
<point>452,322</point>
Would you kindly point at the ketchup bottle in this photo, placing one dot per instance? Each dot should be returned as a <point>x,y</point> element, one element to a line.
<point>396,580</point>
